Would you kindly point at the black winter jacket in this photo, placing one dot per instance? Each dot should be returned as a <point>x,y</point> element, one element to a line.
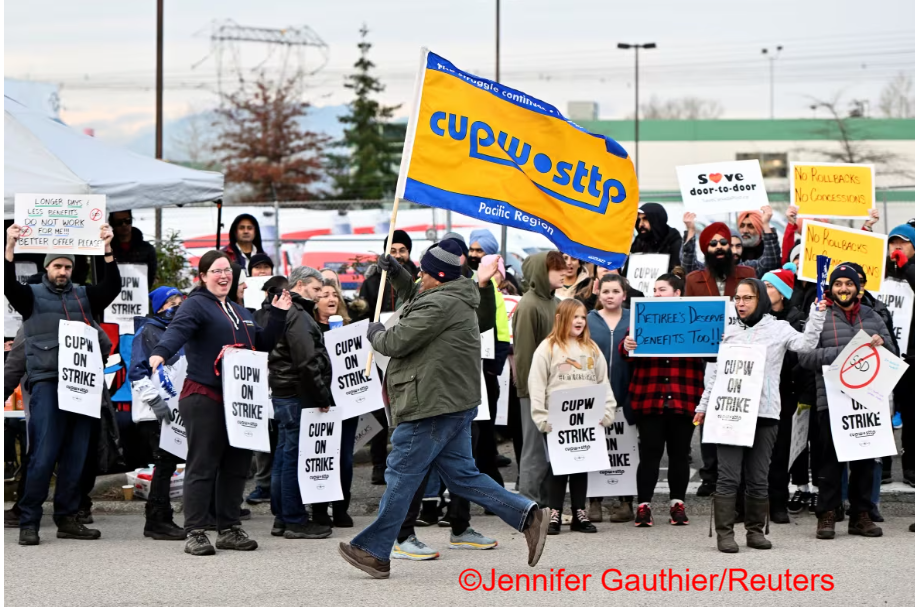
<point>661,238</point>
<point>139,252</point>
<point>299,365</point>
<point>372,284</point>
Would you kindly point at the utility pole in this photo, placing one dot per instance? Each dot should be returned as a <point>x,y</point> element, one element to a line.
<point>160,13</point>
<point>625,46</point>
<point>772,57</point>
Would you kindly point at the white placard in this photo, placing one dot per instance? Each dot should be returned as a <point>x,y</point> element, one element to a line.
<point>12,319</point>
<point>483,409</point>
<point>170,381</point>
<point>644,269</point>
<point>245,397</point>
<point>800,427</point>
<point>349,349</point>
<point>623,452</point>
<point>899,299</point>
<point>388,319</point>
<point>319,455</point>
<point>858,431</point>
<point>722,187</point>
<point>60,223</point>
<point>866,374</point>
<point>254,291</point>
<point>133,300</point>
<point>502,404</point>
<point>511,304</point>
<point>79,369</point>
<point>488,344</point>
<point>576,443</point>
<point>734,402</point>
<point>366,428</point>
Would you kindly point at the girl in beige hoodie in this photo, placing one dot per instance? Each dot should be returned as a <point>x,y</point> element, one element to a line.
<point>568,358</point>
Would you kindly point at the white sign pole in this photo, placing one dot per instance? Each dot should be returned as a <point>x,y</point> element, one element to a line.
<point>576,443</point>
<point>80,371</point>
<point>244,390</point>
<point>623,452</point>
<point>734,403</point>
<point>60,223</point>
<point>353,391</point>
<point>133,300</point>
<point>319,455</point>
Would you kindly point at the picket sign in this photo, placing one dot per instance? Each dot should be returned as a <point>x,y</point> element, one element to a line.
<point>483,414</point>
<point>800,427</point>
<point>835,190</point>
<point>677,326</point>
<point>576,442</point>
<point>60,223</point>
<point>722,187</point>
<point>644,269</point>
<point>623,453</point>
<point>899,299</point>
<point>866,374</point>
<point>79,369</point>
<point>842,244</point>
<point>319,455</point>
<point>389,319</point>
<point>488,344</point>
<point>858,431</point>
<point>349,349</point>
<point>12,319</point>
<point>734,402</point>
<point>511,303</point>
<point>170,382</point>
<point>502,403</point>
<point>366,428</point>
<point>254,294</point>
<point>245,398</point>
<point>133,300</point>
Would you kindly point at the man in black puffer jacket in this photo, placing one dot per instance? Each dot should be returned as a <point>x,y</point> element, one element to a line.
<point>655,236</point>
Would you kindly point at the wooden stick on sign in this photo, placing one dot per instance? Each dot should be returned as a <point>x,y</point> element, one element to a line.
<point>384,278</point>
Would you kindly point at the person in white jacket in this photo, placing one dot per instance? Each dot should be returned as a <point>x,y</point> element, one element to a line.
<point>757,327</point>
<point>568,358</point>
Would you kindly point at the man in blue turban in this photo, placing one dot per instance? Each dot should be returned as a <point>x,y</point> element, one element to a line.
<point>482,242</point>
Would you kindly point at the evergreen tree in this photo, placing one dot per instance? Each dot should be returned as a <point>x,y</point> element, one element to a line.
<point>368,171</point>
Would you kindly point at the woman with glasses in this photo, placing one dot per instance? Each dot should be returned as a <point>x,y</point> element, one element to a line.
<point>205,325</point>
<point>758,327</point>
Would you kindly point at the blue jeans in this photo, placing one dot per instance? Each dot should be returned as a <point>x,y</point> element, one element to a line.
<point>444,444</point>
<point>55,438</point>
<point>285,497</point>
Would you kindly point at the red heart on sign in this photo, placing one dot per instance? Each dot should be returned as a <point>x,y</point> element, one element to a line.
<point>716,177</point>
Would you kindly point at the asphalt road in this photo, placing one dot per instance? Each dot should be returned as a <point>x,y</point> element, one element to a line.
<point>123,568</point>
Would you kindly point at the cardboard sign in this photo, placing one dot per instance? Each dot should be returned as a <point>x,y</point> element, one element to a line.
<point>170,381</point>
<point>734,402</point>
<point>800,427</point>
<point>133,300</point>
<point>12,319</point>
<point>245,397</point>
<point>319,455</point>
<point>254,293</point>
<point>366,428</point>
<point>502,404</point>
<point>389,319</point>
<point>677,326</point>
<point>840,191</point>
<point>349,349</point>
<point>858,431</point>
<point>722,187</point>
<point>899,299</point>
<point>842,244</point>
<point>60,223</point>
<point>80,372</point>
<point>623,452</point>
<point>488,344</point>
<point>576,443</point>
<point>644,270</point>
<point>866,374</point>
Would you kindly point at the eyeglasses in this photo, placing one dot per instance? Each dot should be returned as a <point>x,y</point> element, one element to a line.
<point>121,222</point>
<point>218,272</point>
<point>721,242</point>
<point>746,299</point>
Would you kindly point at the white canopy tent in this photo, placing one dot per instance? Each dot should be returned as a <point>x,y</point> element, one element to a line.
<point>43,156</point>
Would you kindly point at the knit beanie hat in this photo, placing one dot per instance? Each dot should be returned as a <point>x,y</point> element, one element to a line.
<point>400,237</point>
<point>52,256</point>
<point>258,259</point>
<point>782,280</point>
<point>715,229</point>
<point>487,241</point>
<point>845,271</point>
<point>795,252</point>
<point>459,240</point>
<point>161,295</point>
<point>442,261</point>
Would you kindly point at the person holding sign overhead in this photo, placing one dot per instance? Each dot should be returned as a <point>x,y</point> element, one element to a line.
<point>845,316</point>
<point>207,324</point>
<point>755,327</point>
<point>766,261</point>
<point>56,437</point>
<point>568,358</point>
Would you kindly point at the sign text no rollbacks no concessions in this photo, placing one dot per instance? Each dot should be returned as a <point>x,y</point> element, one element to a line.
<point>677,326</point>
<point>840,191</point>
<point>842,245</point>
<point>55,223</point>
<point>722,187</point>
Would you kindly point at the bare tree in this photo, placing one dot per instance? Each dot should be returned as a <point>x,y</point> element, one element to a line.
<point>683,108</point>
<point>193,142</point>
<point>897,99</point>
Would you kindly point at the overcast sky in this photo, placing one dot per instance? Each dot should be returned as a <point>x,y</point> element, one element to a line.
<point>103,51</point>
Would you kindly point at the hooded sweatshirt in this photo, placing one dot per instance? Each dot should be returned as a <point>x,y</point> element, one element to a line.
<point>777,336</point>
<point>533,318</point>
<point>661,238</point>
<point>609,340</point>
<point>233,251</point>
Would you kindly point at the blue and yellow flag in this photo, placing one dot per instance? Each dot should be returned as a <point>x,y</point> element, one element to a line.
<point>488,151</point>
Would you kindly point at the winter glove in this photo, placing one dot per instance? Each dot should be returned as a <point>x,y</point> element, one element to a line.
<point>374,327</point>
<point>160,409</point>
<point>389,265</point>
<point>899,257</point>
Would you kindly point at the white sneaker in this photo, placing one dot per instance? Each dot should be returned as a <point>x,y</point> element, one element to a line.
<point>412,549</point>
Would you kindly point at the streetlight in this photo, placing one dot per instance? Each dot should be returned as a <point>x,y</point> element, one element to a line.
<point>624,46</point>
<point>772,57</point>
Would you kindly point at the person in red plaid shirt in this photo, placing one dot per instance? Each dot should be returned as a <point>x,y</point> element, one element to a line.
<point>663,394</point>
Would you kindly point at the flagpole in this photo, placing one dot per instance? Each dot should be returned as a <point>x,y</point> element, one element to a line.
<point>384,278</point>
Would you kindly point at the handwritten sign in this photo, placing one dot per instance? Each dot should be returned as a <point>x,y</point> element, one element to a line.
<point>677,326</point>
<point>576,443</point>
<point>54,223</point>
<point>899,299</point>
<point>133,300</point>
<point>623,452</point>
<point>734,402</point>
<point>800,427</point>
<point>840,191</point>
<point>12,319</point>
<point>842,244</point>
<point>644,270</point>
<point>349,349</point>
<point>319,455</point>
<point>244,390</point>
<point>722,187</point>
<point>858,431</point>
<point>866,374</point>
<point>80,373</point>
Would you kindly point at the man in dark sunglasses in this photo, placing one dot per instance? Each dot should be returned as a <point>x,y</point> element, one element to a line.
<point>129,245</point>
